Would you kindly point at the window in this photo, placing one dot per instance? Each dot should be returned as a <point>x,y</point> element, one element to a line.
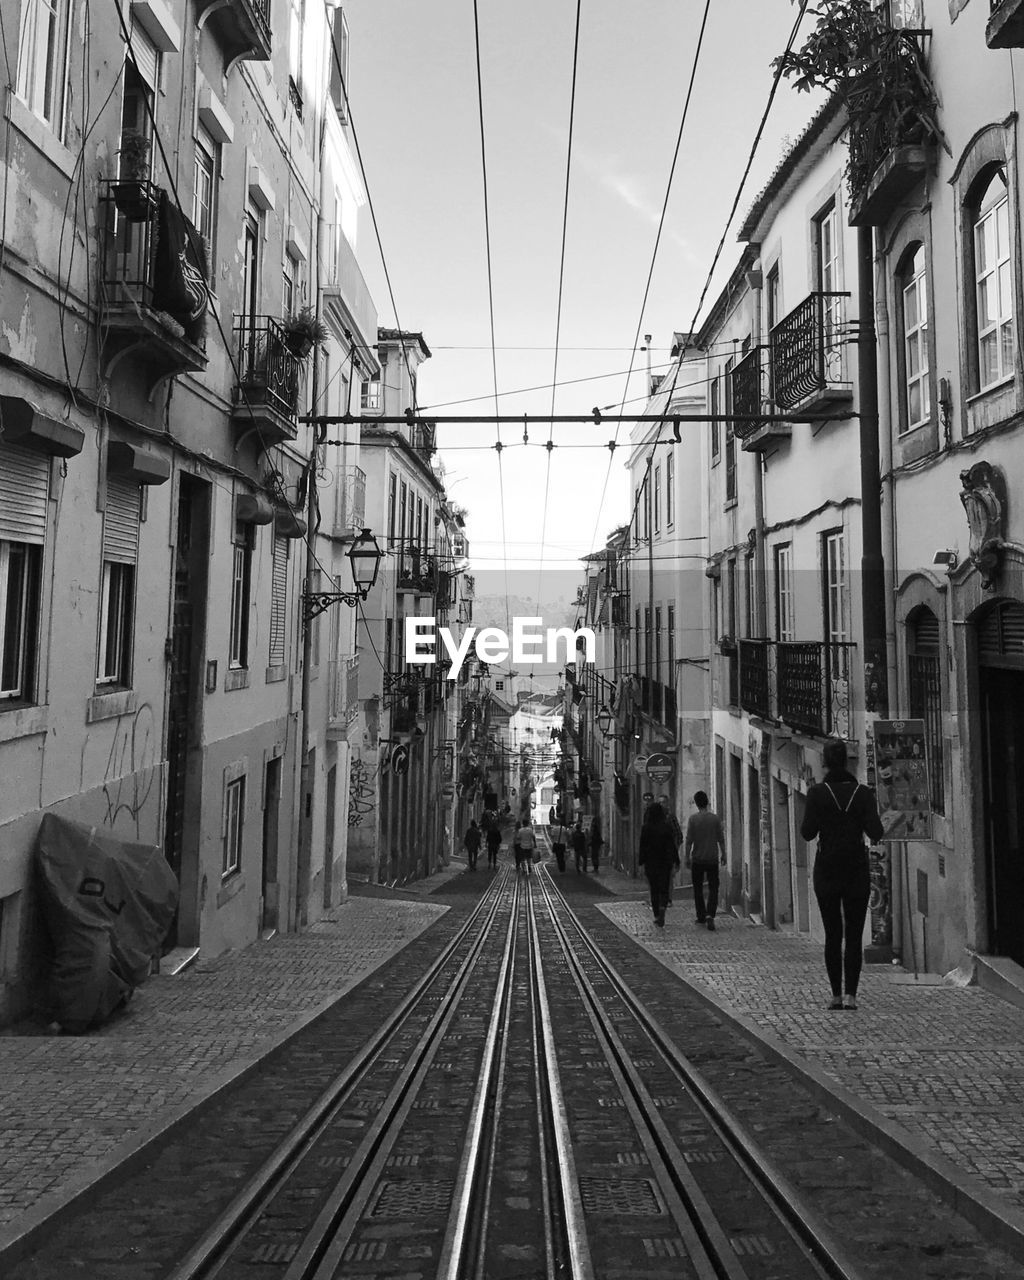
<point>636,512</point>
<point>392,488</point>
<point>403,507</point>
<point>117,587</point>
<point>296,24</point>
<point>730,438</point>
<point>278,602</point>
<point>829,280</point>
<point>670,485</point>
<point>251,265</point>
<point>657,499</point>
<point>647,641</point>
<point>993,277</point>
<point>499,686</point>
<point>636,648</point>
<point>671,638</point>
<point>369,396</point>
<point>19,619</point>
<point>913,316</point>
<point>715,411</point>
<point>657,642</point>
<point>730,597</point>
<point>234,826</point>
<point>926,693</point>
<point>784,623</point>
<point>338,55</point>
<point>139,99</point>
<point>290,289</point>
<point>204,196</point>
<point>751,601</point>
<point>241,575</point>
<point>904,13</point>
<point>43,60</point>
<point>773,297</point>
<point>647,507</point>
<point>835,587</point>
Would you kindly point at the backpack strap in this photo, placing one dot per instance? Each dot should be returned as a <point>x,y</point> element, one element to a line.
<point>835,798</point>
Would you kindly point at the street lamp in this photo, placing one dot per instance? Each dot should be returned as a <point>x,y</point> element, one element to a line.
<point>364,557</point>
<point>603,720</point>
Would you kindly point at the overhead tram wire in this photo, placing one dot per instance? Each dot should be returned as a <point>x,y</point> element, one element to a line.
<point>490,295</point>
<point>776,80</point>
<point>613,444</point>
<point>561,283</point>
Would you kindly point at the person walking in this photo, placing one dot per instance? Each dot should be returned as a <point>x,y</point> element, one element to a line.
<point>659,856</point>
<point>596,841</point>
<point>705,847</point>
<point>559,839</point>
<point>840,812</point>
<point>471,842</point>
<point>524,842</point>
<point>493,839</point>
<point>578,840</point>
<point>677,834</point>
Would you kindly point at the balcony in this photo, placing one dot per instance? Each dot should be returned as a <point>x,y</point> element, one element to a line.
<point>813,679</point>
<point>241,27</point>
<point>810,366</point>
<point>349,501</point>
<point>751,395</point>
<point>154,294</point>
<point>898,174</point>
<point>343,696</point>
<point>416,569</point>
<point>1005,29</point>
<point>345,290</point>
<point>267,394</point>
<point>755,677</point>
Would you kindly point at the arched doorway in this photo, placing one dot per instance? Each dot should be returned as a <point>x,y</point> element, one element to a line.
<point>1000,650</point>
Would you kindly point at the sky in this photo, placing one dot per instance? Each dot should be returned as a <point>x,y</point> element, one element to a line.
<point>415,107</point>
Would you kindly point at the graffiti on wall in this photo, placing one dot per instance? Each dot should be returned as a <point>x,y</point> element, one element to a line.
<point>131,768</point>
<point>362,794</point>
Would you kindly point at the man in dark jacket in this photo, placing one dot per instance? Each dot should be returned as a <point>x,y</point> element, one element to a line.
<point>658,856</point>
<point>471,840</point>
<point>841,812</point>
<point>705,848</point>
<point>493,844</point>
<point>578,840</point>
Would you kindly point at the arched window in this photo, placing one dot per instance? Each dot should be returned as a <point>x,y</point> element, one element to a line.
<point>923,653</point>
<point>993,277</point>
<point>914,357</point>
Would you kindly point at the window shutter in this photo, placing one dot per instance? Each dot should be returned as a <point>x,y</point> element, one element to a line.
<point>279,601</point>
<point>121,521</point>
<point>145,55</point>
<point>24,488</point>
<point>1001,636</point>
<point>926,633</point>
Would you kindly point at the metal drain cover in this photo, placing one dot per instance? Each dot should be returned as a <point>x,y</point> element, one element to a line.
<point>633,1197</point>
<point>412,1199</point>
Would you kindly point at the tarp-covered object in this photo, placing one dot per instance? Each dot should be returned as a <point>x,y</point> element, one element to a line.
<point>108,905</point>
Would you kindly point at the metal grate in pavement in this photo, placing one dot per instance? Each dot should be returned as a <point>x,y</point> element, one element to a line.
<point>412,1199</point>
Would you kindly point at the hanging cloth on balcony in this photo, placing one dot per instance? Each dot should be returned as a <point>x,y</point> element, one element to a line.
<point>180,275</point>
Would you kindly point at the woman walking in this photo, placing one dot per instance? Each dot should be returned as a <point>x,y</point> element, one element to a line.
<point>659,855</point>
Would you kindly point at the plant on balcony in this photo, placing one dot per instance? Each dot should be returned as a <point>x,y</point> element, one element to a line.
<point>878,74</point>
<point>132,194</point>
<point>303,331</point>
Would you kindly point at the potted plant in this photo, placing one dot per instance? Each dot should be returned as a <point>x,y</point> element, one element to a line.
<point>133,195</point>
<point>878,73</point>
<point>303,331</point>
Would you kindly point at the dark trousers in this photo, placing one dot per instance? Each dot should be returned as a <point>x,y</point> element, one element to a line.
<point>492,855</point>
<point>698,871</point>
<point>559,852</point>
<point>659,879</point>
<point>842,914</point>
<point>581,858</point>
<point>595,855</point>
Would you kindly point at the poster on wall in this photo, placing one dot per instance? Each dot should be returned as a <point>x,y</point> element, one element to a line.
<point>901,779</point>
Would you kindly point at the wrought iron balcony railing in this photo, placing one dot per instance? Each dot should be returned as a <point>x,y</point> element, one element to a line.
<point>750,390</point>
<point>349,500</point>
<point>813,681</point>
<point>243,26</point>
<point>417,568</point>
<point>808,353</point>
<point>755,678</point>
<point>268,371</point>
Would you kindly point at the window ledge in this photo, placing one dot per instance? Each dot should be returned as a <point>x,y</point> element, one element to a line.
<point>23,722</point>
<point>232,886</point>
<point>991,391</point>
<point>275,674</point>
<point>106,706</point>
<point>236,678</point>
<point>40,135</point>
<point>993,405</point>
<point>730,503</point>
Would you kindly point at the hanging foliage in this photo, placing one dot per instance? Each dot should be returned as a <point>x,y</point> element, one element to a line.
<point>879,75</point>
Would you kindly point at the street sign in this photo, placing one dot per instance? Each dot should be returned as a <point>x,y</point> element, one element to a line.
<point>640,764</point>
<point>660,768</point>
<point>400,760</point>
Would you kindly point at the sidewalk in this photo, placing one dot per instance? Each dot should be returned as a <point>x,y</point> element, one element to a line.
<point>934,1072</point>
<point>71,1107</point>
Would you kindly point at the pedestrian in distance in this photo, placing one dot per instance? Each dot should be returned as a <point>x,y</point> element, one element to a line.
<point>559,839</point>
<point>578,840</point>
<point>493,839</point>
<point>524,842</point>
<point>840,812</point>
<point>596,841</point>
<point>659,856</point>
<point>471,841</point>
<point>705,849</point>
<point>677,833</point>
